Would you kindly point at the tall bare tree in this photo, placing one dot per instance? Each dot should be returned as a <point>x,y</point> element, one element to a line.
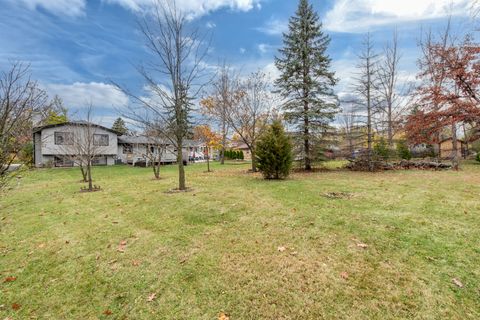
<point>366,88</point>
<point>249,118</point>
<point>20,98</point>
<point>173,76</point>
<point>224,97</point>
<point>388,82</point>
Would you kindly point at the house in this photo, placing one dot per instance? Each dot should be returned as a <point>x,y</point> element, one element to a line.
<point>54,144</point>
<point>446,148</point>
<point>137,150</point>
<point>242,146</point>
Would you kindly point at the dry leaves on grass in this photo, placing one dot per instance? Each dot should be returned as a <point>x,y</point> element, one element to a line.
<point>107,312</point>
<point>281,249</point>
<point>16,306</point>
<point>121,246</point>
<point>362,245</point>
<point>223,316</point>
<point>457,282</point>
<point>10,279</point>
<point>344,275</point>
<point>151,297</point>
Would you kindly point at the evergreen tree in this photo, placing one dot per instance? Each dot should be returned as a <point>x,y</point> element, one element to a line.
<point>402,150</point>
<point>306,80</point>
<point>119,126</point>
<point>274,153</point>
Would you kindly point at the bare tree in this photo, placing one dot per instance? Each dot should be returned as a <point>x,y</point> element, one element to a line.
<point>249,118</point>
<point>388,81</point>
<point>366,88</point>
<point>222,100</point>
<point>20,98</point>
<point>156,147</point>
<point>82,143</point>
<point>173,76</point>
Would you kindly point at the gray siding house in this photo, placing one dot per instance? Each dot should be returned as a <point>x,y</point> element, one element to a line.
<point>54,146</point>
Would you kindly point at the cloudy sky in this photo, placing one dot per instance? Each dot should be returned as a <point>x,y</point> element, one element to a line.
<point>76,48</point>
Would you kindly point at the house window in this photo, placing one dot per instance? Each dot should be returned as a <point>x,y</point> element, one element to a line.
<point>63,138</point>
<point>152,149</point>
<point>127,148</point>
<point>100,140</point>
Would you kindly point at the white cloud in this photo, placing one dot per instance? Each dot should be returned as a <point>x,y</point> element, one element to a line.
<point>243,50</point>
<point>274,27</point>
<point>80,94</point>
<point>194,8</point>
<point>210,25</point>
<point>69,8</point>
<point>264,48</point>
<point>362,15</point>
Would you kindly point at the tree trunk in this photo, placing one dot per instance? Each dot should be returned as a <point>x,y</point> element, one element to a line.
<point>369,118</point>
<point>208,159</point>
<point>454,147</point>
<point>181,168</point>
<point>254,160</point>
<point>89,172</point>
<point>224,142</point>
<point>390,126</point>
<point>84,173</point>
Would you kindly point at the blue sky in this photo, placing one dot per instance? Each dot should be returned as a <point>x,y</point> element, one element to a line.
<point>77,47</point>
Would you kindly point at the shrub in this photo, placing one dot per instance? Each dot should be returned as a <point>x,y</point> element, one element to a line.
<point>274,153</point>
<point>26,154</point>
<point>242,156</point>
<point>478,157</point>
<point>381,150</point>
<point>403,151</point>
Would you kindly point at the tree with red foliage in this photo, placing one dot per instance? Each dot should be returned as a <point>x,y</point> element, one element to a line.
<point>449,94</point>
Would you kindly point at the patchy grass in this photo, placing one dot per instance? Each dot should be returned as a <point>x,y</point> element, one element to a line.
<point>237,244</point>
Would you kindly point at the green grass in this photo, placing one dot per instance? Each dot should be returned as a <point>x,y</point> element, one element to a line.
<point>215,249</point>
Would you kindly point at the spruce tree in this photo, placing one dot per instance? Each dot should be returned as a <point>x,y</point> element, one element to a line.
<point>119,126</point>
<point>306,81</point>
<point>274,152</point>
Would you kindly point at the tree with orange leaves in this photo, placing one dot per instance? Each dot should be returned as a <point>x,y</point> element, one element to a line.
<point>211,139</point>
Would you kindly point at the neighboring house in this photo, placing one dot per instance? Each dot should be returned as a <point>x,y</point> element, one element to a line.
<point>242,146</point>
<point>54,144</point>
<point>446,148</point>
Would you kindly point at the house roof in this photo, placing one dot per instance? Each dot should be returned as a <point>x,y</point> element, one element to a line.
<point>148,140</point>
<point>74,123</point>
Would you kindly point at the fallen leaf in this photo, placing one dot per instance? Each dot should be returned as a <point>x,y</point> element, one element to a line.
<point>16,306</point>
<point>457,282</point>
<point>281,249</point>
<point>41,245</point>
<point>362,245</point>
<point>223,316</point>
<point>135,263</point>
<point>121,246</point>
<point>10,279</point>
<point>107,312</point>
<point>294,253</point>
<point>344,275</point>
<point>151,297</point>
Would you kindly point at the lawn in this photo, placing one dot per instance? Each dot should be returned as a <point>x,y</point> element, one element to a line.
<point>327,245</point>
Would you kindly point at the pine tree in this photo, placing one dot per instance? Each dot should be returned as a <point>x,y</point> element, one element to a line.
<point>119,126</point>
<point>306,81</point>
<point>274,153</point>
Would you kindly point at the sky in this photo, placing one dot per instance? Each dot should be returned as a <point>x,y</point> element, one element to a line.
<point>78,48</point>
